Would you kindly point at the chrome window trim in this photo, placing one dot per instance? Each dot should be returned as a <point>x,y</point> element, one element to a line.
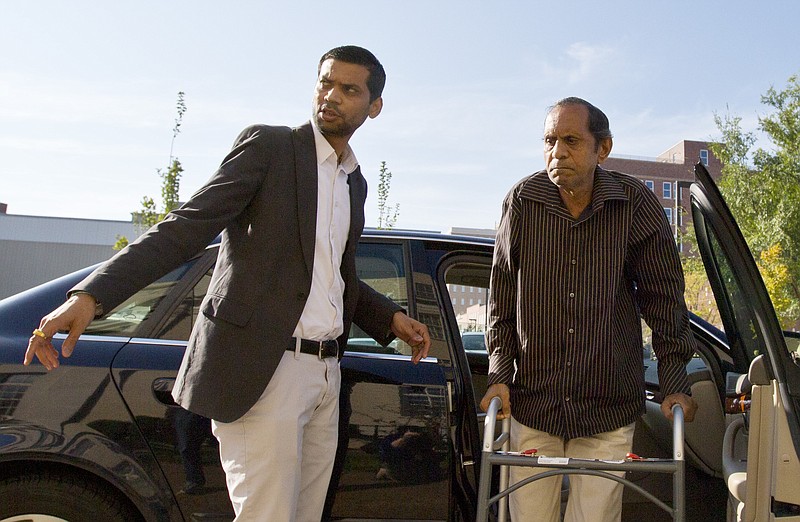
<point>92,337</point>
<point>161,342</point>
<point>387,356</point>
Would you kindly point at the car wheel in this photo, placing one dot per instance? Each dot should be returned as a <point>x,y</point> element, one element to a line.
<point>46,497</point>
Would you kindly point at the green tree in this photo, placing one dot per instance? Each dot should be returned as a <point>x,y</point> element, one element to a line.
<point>387,215</point>
<point>149,214</point>
<point>698,294</point>
<point>762,188</point>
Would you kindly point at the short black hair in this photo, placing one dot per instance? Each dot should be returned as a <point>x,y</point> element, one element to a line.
<point>360,56</point>
<point>598,121</point>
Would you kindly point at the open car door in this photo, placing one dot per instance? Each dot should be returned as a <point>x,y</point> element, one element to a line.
<point>761,450</point>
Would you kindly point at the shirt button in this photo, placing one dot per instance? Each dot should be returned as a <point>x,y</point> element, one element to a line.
<point>571,330</point>
<point>566,399</point>
<point>572,295</point>
<point>574,261</point>
<point>569,363</point>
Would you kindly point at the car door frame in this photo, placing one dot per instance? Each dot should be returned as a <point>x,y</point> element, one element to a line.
<point>712,216</point>
<point>469,432</point>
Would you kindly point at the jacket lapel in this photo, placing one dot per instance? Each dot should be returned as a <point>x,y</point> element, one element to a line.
<point>305,167</point>
<point>358,194</point>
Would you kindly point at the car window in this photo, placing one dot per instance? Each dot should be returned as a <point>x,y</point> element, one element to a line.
<point>380,265</point>
<point>383,267</point>
<point>474,341</point>
<point>468,289</point>
<point>792,341</point>
<point>126,318</point>
<point>749,333</point>
<point>181,321</point>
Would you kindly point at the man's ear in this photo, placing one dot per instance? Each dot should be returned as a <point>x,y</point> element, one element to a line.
<point>375,107</point>
<point>604,149</point>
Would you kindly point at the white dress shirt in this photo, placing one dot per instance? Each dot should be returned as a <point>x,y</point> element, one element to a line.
<point>322,316</point>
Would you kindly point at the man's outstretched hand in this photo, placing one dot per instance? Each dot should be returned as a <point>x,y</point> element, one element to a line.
<point>73,316</point>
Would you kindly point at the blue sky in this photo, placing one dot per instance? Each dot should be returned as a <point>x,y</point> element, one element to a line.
<point>88,89</point>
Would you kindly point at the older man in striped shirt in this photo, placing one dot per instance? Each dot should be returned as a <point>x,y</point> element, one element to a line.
<point>581,252</point>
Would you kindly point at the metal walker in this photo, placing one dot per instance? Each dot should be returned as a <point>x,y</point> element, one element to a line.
<point>495,452</point>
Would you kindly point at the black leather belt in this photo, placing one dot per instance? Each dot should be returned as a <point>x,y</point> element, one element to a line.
<point>322,349</point>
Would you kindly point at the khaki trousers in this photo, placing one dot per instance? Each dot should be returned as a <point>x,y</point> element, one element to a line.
<point>278,457</point>
<point>591,499</point>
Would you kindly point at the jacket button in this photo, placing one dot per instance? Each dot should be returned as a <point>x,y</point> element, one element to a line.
<point>301,296</point>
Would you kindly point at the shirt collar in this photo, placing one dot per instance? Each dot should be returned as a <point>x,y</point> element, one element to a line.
<point>539,188</point>
<point>325,151</point>
<point>606,188</point>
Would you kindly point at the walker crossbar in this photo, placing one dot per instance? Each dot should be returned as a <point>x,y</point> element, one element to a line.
<point>490,456</point>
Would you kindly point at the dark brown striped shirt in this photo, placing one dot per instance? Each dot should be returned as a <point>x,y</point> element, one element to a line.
<point>564,328</point>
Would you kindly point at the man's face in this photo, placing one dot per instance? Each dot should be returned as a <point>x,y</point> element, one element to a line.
<point>570,151</point>
<point>341,99</point>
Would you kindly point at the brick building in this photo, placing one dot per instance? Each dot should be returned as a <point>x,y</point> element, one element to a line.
<point>669,176</point>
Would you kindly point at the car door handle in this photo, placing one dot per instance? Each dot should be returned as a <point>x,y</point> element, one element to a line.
<point>162,390</point>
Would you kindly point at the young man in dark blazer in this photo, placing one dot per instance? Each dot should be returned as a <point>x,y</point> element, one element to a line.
<point>262,359</point>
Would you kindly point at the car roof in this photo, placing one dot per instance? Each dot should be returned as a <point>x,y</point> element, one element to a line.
<point>425,235</point>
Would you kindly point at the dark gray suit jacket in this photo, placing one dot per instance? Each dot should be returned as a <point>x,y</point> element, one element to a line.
<point>263,199</point>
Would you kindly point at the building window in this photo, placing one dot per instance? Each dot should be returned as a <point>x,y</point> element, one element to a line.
<point>666,188</point>
<point>704,157</point>
<point>668,213</point>
<point>649,184</point>
<point>471,302</point>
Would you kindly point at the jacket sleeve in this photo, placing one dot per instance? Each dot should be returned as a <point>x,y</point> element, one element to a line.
<point>185,231</point>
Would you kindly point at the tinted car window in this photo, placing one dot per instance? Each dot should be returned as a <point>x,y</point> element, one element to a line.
<point>180,323</point>
<point>473,341</point>
<point>382,266</point>
<point>126,318</point>
<point>748,330</point>
<point>468,288</point>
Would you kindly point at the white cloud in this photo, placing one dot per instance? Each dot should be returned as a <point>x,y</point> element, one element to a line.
<point>588,59</point>
<point>577,63</point>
